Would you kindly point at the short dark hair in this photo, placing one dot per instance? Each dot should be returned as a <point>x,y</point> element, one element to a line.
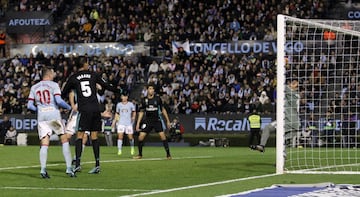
<point>151,85</point>
<point>290,80</point>
<point>125,93</point>
<point>46,70</point>
<point>81,61</point>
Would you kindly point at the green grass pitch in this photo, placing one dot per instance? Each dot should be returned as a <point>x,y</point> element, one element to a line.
<point>193,171</point>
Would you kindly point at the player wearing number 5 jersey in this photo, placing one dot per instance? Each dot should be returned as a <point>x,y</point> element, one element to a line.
<point>84,83</point>
<point>45,99</point>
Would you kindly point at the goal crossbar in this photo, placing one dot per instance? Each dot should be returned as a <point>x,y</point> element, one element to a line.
<point>322,24</point>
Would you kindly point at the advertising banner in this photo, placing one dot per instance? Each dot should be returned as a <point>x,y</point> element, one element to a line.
<point>29,22</point>
<point>240,47</point>
<point>192,123</point>
<point>215,123</point>
<point>91,49</point>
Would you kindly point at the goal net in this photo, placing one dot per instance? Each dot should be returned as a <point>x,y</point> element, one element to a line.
<point>318,96</point>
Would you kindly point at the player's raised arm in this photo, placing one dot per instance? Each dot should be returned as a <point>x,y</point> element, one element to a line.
<point>107,85</point>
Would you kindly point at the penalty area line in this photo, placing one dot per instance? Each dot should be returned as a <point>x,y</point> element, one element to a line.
<point>200,185</point>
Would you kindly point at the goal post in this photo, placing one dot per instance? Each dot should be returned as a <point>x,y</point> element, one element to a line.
<point>280,89</point>
<point>318,120</point>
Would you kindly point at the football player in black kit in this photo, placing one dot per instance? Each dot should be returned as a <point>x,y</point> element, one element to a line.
<point>84,83</point>
<point>151,112</point>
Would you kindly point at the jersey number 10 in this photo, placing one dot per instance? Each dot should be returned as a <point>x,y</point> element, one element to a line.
<point>44,96</point>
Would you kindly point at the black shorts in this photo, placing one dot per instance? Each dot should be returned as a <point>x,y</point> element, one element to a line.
<point>89,121</point>
<point>148,126</point>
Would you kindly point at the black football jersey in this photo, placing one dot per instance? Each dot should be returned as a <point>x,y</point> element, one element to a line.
<point>151,107</point>
<point>84,83</point>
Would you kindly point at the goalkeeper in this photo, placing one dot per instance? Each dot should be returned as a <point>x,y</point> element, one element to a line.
<point>292,119</point>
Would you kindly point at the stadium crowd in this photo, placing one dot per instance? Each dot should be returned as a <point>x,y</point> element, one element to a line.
<point>57,7</point>
<point>196,83</point>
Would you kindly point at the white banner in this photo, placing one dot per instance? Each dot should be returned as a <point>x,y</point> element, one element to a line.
<point>176,45</point>
<point>91,49</point>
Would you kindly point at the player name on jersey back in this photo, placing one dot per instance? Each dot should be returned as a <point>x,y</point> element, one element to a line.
<point>82,76</point>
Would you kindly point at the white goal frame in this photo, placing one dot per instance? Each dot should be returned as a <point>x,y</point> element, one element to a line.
<point>280,95</point>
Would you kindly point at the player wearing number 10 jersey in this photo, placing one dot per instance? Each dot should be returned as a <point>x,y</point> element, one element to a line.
<point>84,83</point>
<point>45,99</point>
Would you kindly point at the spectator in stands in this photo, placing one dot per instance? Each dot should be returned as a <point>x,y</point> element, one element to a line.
<point>153,68</point>
<point>184,106</point>
<point>4,127</point>
<point>148,35</point>
<point>203,107</point>
<point>230,106</point>
<point>176,130</point>
<point>10,137</point>
<point>94,16</point>
<point>267,107</point>
<point>263,97</point>
<point>195,107</point>
<point>3,43</point>
<point>155,21</point>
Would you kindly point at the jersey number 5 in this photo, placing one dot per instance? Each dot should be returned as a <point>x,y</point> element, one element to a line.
<point>85,88</point>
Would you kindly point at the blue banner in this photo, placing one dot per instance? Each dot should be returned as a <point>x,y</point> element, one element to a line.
<point>193,123</point>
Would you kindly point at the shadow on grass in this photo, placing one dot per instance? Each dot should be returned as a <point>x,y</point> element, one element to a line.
<point>18,173</point>
<point>60,162</point>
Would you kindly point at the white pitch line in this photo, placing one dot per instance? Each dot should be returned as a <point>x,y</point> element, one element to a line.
<point>75,189</point>
<point>109,161</point>
<point>200,185</point>
<point>94,189</point>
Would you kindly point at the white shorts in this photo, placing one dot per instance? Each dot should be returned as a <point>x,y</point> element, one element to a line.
<point>71,124</point>
<point>47,127</point>
<point>125,129</point>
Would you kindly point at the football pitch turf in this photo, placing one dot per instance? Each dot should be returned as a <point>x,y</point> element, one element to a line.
<point>193,171</point>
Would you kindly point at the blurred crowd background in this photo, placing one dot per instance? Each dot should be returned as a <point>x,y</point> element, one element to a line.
<point>197,83</point>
